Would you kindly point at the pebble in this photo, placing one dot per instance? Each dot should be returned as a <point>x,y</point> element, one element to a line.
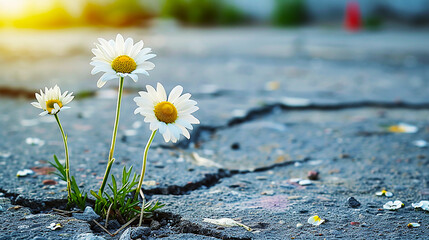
<point>313,175</point>
<point>261,178</point>
<point>268,192</point>
<point>235,146</point>
<point>305,182</point>
<point>352,202</point>
<point>87,215</point>
<point>299,225</point>
<point>114,224</point>
<point>34,141</point>
<point>155,225</point>
<point>139,232</point>
<point>49,182</point>
<point>87,236</point>
<point>126,235</point>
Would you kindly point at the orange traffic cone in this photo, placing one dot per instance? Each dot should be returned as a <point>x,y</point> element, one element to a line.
<point>352,21</point>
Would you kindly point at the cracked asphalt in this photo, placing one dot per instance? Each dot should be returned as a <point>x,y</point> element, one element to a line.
<point>283,104</point>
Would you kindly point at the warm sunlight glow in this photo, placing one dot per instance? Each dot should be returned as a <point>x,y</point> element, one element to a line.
<point>12,9</point>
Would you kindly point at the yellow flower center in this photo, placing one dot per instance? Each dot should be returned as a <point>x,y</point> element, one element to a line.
<point>166,112</point>
<point>317,218</point>
<point>383,192</point>
<point>50,104</point>
<point>396,129</point>
<point>124,64</point>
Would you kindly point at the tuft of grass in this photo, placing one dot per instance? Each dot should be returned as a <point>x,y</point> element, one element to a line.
<point>78,198</point>
<point>120,203</point>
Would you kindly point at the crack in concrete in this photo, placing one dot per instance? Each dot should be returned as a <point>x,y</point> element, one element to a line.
<point>35,206</point>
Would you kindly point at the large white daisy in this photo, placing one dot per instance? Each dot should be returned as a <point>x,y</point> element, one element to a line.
<point>120,59</point>
<point>52,101</point>
<point>172,116</point>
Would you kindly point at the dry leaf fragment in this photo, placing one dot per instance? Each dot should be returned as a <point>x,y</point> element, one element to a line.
<point>201,161</point>
<point>226,222</point>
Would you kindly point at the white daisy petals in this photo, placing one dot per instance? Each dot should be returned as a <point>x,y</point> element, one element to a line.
<point>403,128</point>
<point>52,101</point>
<point>393,205</point>
<point>413,225</point>
<point>171,116</point>
<point>384,193</point>
<point>424,205</point>
<point>132,59</point>
<point>315,220</point>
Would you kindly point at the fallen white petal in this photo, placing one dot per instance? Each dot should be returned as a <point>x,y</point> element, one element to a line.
<point>226,222</point>
<point>201,161</point>
<point>420,143</point>
<point>24,172</point>
<point>55,226</point>
<point>413,225</point>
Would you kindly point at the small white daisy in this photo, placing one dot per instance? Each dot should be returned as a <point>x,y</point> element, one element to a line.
<point>393,205</point>
<point>120,59</point>
<point>172,116</point>
<point>413,225</point>
<point>315,220</point>
<point>384,193</point>
<point>422,205</point>
<point>52,101</point>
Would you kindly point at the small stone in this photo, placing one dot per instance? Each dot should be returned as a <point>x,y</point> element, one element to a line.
<point>352,202</point>
<point>235,146</point>
<point>261,178</point>
<point>155,225</point>
<point>355,223</point>
<point>268,192</point>
<point>126,235</point>
<point>313,175</point>
<point>87,215</point>
<point>87,236</point>
<point>139,232</point>
<point>305,182</point>
<point>114,224</point>
<point>49,182</point>
<point>299,225</point>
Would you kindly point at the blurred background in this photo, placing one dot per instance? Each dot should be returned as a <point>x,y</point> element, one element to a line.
<point>319,66</point>
<point>250,53</point>
<point>271,45</point>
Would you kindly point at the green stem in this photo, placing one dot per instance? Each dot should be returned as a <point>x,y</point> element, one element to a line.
<point>149,142</point>
<point>67,158</point>
<point>115,130</point>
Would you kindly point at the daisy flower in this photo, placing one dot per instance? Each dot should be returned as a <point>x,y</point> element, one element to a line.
<point>384,193</point>
<point>120,59</point>
<point>315,220</point>
<point>171,116</point>
<point>422,205</point>
<point>393,205</point>
<point>52,101</point>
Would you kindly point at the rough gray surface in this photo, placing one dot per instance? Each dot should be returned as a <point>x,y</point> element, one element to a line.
<point>255,137</point>
<point>19,223</point>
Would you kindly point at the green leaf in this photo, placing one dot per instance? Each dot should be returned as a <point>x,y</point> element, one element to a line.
<point>95,194</point>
